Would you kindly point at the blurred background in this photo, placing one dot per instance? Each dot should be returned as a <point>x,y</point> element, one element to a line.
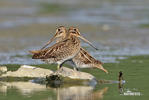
<point>117,27</point>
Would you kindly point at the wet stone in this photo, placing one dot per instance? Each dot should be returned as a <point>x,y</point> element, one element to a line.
<point>28,71</point>
<point>40,75</point>
<point>3,69</point>
<point>73,74</point>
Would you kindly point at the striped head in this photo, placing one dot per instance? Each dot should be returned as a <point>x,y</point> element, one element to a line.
<point>60,34</point>
<point>74,31</point>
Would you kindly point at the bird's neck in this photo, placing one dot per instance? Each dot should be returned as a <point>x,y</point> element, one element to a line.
<point>73,38</point>
<point>61,38</point>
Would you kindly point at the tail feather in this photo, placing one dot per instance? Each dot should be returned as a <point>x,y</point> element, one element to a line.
<point>98,62</point>
<point>37,54</point>
<point>101,67</point>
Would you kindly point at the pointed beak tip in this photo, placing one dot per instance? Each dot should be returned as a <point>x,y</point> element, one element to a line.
<point>96,48</point>
<point>107,72</point>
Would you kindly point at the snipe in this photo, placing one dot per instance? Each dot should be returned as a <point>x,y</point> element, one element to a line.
<point>83,59</point>
<point>62,51</point>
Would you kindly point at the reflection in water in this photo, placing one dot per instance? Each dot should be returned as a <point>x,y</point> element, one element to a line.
<point>74,92</point>
<point>120,87</point>
<point>24,87</point>
<point>3,88</point>
<point>80,93</point>
<point>63,93</point>
<point>99,94</point>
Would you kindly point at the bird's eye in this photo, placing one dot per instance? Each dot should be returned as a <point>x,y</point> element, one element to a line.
<point>59,29</point>
<point>75,29</point>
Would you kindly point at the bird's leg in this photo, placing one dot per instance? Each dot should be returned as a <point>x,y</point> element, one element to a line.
<point>58,67</point>
<point>75,68</point>
<point>61,66</point>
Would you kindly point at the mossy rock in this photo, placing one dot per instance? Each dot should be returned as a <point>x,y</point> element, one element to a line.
<point>58,80</point>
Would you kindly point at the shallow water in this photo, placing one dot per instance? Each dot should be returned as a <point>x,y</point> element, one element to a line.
<point>135,73</point>
<point>26,90</point>
<point>31,91</point>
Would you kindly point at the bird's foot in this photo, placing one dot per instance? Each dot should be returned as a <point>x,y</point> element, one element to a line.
<point>75,69</point>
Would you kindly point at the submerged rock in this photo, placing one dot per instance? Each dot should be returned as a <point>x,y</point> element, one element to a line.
<point>28,71</point>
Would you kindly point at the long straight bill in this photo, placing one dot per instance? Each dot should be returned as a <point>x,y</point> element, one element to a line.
<point>88,42</point>
<point>51,40</point>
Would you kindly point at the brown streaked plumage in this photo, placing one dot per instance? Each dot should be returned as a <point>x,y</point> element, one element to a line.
<point>62,51</point>
<point>83,59</point>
